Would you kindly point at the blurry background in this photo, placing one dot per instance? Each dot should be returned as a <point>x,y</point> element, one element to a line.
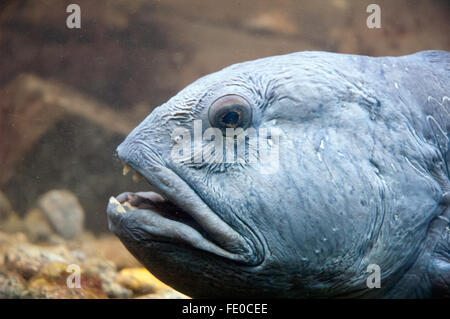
<point>69,96</point>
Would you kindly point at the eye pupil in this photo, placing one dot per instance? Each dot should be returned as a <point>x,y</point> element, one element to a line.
<point>231,118</point>
<point>230,111</point>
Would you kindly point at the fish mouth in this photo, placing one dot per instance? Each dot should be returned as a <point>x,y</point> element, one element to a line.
<point>173,213</point>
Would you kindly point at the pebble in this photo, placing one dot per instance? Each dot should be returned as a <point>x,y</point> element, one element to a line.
<point>12,286</point>
<point>37,227</point>
<point>114,289</point>
<point>107,272</point>
<point>27,259</point>
<point>64,212</point>
<point>140,280</point>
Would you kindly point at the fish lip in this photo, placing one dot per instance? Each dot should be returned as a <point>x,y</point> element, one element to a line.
<point>222,240</point>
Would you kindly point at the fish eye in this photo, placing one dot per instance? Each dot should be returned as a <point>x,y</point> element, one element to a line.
<point>230,111</point>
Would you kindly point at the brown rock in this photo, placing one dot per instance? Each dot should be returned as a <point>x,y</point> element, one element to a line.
<point>37,227</point>
<point>42,288</point>
<point>106,271</point>
<point>52,282</point>
<point>96,266</point>
<point>28,260</point>
<point>54,270</point>
<point>9,239</point>
<point>63,210</point>
<point>11,285</point>
<point>140,280</point>
<point>13,224</point>
<point>112,288</point>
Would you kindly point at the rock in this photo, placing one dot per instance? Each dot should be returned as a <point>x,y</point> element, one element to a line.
<point>114,289</point>
<point>46,268</point>
<point>107,247</point>
<point>55,239</point>
<point>28,260</point>
<point>107,272</point>
<point>140,280</point>
<point>41,288</point>
<point>9,221</point>
<point>95,265</point>
<point>37,227</point>
<point>5,207</point>
<point>12,286</point>
<point>8,239</point>
<point>13,224</point>
<point>52,282</point>
<point>54,270</point>
<point>62,209</point>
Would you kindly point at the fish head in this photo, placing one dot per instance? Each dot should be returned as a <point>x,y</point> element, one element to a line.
<point>268,178</point>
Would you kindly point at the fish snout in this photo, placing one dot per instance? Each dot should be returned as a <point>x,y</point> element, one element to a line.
<point>133,152</point>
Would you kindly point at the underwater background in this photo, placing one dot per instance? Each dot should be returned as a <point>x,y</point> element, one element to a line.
<point>68,97</point>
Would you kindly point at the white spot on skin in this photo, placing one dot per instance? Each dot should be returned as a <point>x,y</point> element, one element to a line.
<point>396,85</point>
<point>321,147</point>
<point>340,154</point>
<point>177,139</point>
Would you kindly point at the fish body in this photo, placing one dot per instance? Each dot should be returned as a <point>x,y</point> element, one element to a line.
<point>357,179</point>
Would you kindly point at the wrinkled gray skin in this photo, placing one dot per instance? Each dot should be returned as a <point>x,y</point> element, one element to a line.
<point>362,180</point>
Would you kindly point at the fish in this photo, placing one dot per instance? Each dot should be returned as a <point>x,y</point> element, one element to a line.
<point>304,175</point>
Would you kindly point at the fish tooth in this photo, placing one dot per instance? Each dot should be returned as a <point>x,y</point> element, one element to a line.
<point>126,169</point>
<point>136,177</point>
<point>119,209</point>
